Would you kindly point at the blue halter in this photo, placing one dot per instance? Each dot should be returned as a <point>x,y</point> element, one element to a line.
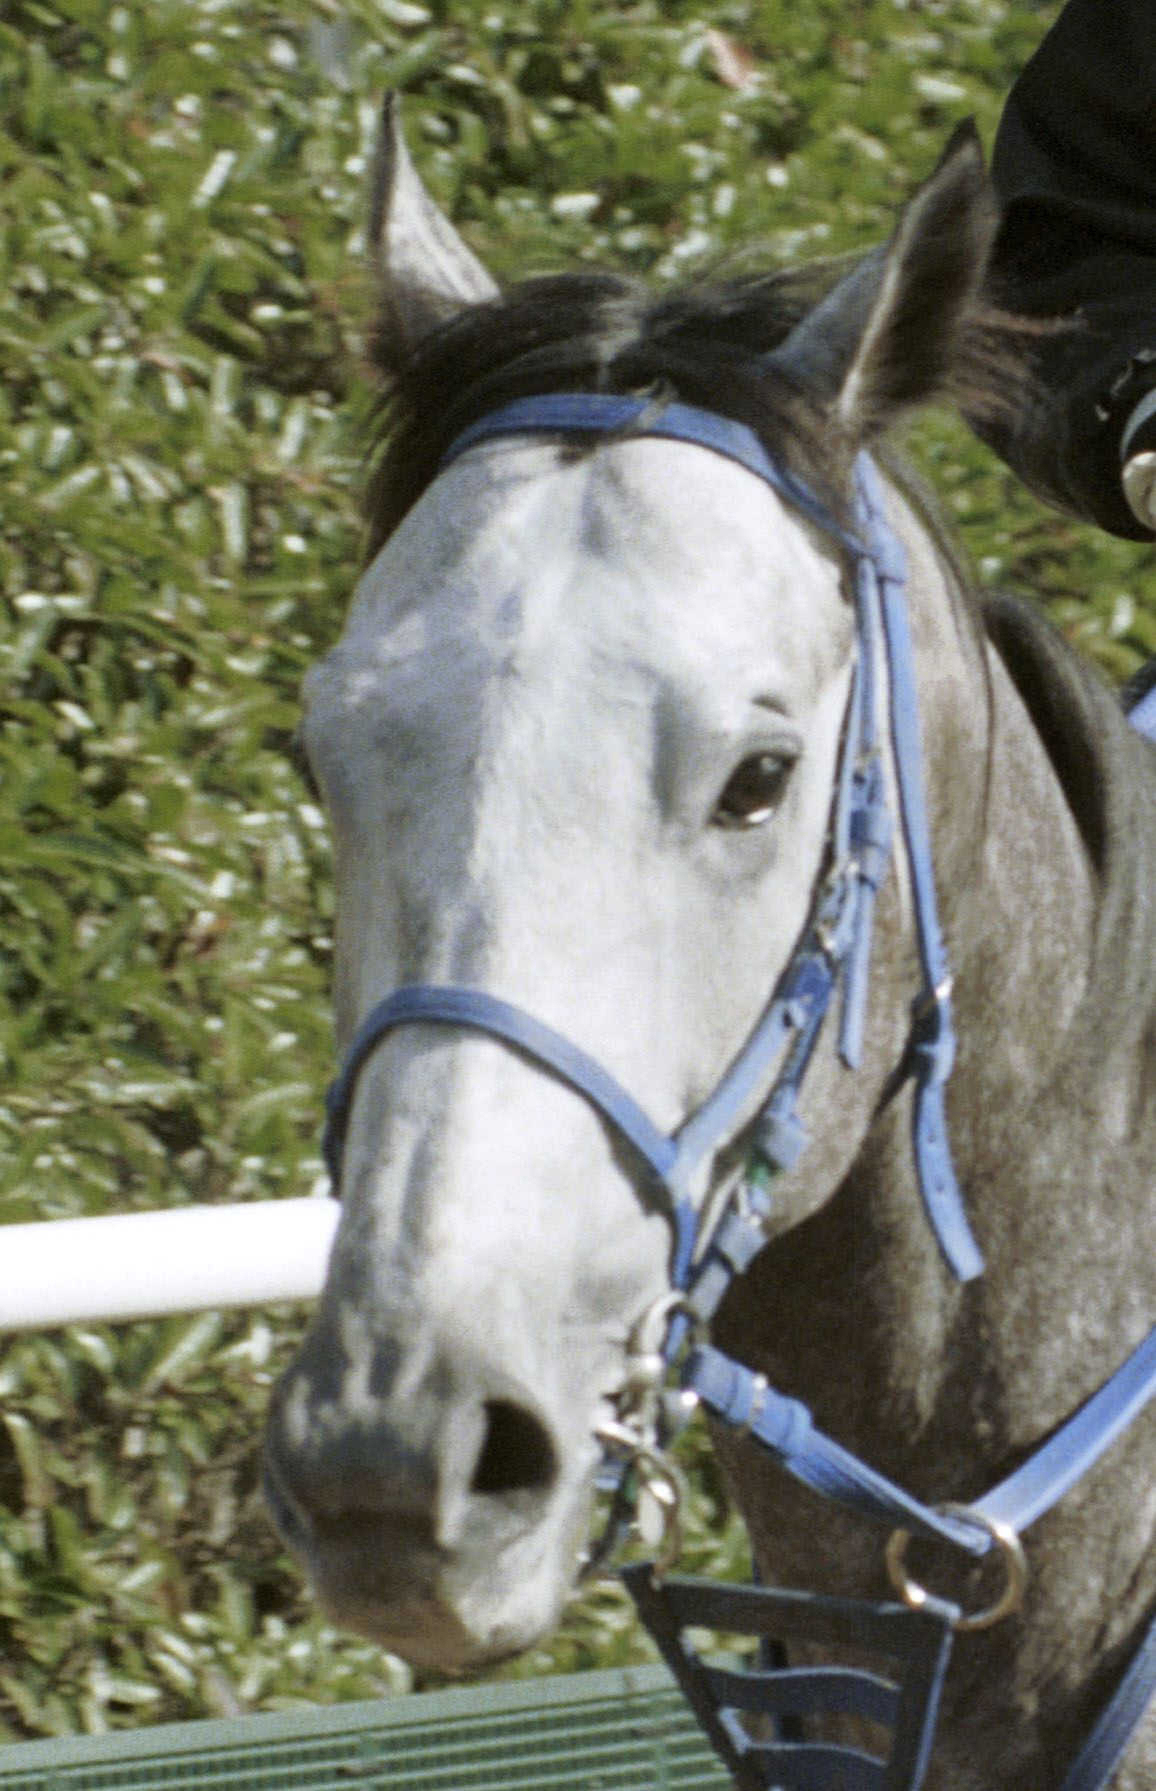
<point>833,953</point>
<point>836,945</point>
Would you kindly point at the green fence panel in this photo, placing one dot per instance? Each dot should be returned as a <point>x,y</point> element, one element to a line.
<point>621,1731</point>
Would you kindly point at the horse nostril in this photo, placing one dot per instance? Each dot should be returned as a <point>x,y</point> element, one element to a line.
<point>517,1455</point>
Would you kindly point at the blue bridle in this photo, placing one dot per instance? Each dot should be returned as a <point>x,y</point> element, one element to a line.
<point>833,954</point>
<point>835,947</point>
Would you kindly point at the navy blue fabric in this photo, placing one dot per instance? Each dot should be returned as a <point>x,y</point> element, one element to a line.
<point>898,1685</point>
<point>808,1691</point>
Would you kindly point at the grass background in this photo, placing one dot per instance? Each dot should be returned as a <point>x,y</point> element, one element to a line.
<point>181,304</point>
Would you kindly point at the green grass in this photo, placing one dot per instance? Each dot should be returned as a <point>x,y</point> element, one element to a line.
<point>181,302</point>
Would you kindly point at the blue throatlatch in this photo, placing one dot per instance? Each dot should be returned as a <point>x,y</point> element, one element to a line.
<point>833,954</point>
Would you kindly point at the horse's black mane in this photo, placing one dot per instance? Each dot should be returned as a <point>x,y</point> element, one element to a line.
<point>584,332</point>
<point>703,344</point>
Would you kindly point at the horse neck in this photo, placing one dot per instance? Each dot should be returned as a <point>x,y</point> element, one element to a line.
<point>1045,829</point>
<point>1054,1117</point>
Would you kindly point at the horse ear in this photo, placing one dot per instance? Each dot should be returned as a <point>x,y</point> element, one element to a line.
<point>427,273</point>
<point>883,339</point>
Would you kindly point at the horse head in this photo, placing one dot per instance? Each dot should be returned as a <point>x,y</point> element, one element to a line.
<point>577,745</point>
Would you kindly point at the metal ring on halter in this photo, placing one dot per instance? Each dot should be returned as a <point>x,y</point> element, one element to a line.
<point>1014,1561</point>
<point>646,1364</point>
<point>660,1480</point>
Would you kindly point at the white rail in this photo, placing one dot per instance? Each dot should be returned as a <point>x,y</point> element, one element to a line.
<point>143,1265</point>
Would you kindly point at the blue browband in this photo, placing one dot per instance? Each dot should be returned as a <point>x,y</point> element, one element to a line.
<point>836,946</point>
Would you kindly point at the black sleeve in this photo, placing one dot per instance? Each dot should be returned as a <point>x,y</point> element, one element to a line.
<point>1075,169</point>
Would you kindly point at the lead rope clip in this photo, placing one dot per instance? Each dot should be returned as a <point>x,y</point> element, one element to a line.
<point>660,1497</point>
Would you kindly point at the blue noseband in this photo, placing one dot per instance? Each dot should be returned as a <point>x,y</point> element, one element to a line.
<point>834,950</point>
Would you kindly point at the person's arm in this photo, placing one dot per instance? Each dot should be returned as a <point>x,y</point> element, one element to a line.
<point>1075,169</point>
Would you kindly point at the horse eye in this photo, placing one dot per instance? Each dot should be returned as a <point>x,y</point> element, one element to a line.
<point>753,791</point>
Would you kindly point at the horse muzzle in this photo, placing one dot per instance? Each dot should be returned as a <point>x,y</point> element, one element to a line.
<point>447,1529</point>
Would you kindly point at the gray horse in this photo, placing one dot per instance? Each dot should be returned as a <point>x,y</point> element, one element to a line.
<point>577,745</point>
